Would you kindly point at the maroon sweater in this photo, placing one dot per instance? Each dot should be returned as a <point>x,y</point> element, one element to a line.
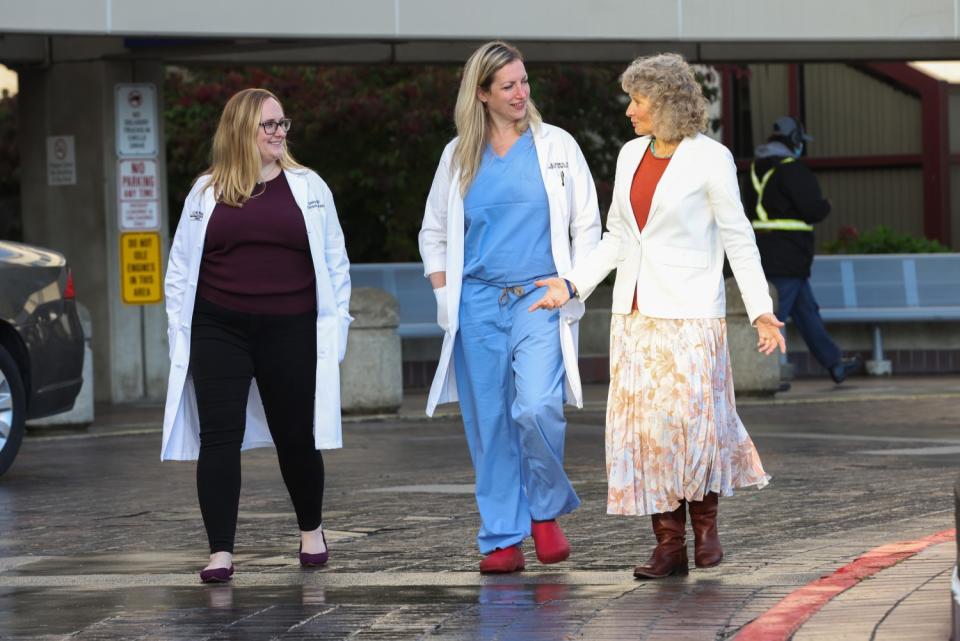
<point>256,258</point>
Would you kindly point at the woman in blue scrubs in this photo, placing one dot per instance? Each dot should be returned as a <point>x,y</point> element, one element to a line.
<point>511,204</point>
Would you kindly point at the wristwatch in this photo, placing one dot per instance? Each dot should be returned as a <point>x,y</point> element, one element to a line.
<point>570,290</point>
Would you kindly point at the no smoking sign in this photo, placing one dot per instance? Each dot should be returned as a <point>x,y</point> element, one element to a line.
<point>61,161</point>
<point>60,149</point>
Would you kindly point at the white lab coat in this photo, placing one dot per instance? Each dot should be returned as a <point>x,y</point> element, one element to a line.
<point>574,231</point>
<point>181,428</point>
<point>675,265</point>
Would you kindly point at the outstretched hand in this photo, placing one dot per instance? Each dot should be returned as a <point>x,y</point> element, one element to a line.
<point>556,295</point>
<point>769,335</point>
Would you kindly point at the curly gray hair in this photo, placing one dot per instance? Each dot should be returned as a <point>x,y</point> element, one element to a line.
<point>676,98</point>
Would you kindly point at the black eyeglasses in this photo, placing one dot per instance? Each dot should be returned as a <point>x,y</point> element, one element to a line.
<point>270,126</point>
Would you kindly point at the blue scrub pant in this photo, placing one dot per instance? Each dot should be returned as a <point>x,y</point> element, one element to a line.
<point>510,381</point>
<point>796,301</point>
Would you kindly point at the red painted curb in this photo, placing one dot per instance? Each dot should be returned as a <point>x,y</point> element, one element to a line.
<point>782,620</point>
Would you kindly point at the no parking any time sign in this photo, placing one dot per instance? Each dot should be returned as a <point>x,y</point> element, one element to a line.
<point>137,194</point>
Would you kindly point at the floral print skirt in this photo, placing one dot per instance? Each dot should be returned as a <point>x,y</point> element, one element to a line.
<point>672,427</point>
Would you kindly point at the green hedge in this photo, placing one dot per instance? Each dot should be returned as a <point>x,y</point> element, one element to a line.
<point>374,132</point>
<point>881,240</point>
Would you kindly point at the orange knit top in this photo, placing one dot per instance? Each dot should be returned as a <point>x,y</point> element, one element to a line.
<point>644,184</point>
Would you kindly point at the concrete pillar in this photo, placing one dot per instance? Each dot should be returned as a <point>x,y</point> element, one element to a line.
<point>81,220</point>
<point>371,374</point>
<point>753,373</point>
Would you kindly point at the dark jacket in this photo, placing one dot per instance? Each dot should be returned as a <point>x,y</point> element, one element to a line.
<point>793,192</point>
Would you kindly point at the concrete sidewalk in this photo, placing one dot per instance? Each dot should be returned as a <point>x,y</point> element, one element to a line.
<point>98,540</point>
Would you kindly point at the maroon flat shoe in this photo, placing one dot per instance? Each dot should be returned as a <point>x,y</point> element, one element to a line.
<point>217,575</point>
<point>314,560</point>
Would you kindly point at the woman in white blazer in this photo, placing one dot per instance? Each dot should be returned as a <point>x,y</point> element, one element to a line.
<point>257,293</point>
<point>512,202</point>
<point>673,437</point>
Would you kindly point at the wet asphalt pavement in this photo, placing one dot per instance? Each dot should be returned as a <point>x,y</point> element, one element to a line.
<point>99,540</point>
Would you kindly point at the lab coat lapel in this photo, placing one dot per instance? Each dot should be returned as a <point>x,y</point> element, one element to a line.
<point>542,146</point>
<point>298,186</point>
<point>556,199</point>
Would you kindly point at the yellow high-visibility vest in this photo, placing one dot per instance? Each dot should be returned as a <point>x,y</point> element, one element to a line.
<point>763,220</point>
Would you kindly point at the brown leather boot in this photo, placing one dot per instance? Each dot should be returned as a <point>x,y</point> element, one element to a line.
<point>706,541</point>
<point>670,555</point>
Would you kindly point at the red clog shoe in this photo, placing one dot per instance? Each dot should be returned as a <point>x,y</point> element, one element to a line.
<point>552,546</point>
<point>503,561</point>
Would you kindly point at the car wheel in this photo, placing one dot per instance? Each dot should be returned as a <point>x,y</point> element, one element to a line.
<point>13,409</point>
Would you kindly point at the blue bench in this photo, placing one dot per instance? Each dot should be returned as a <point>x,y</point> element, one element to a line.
<point>406,283</point>
<point>887,288</point>
<point>850,289</point>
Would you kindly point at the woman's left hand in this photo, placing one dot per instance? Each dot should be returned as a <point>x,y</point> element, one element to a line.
<point>770,338</point>
<point>557,294</point>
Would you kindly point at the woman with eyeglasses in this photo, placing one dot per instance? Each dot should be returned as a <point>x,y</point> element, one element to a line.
<point>257,295</point>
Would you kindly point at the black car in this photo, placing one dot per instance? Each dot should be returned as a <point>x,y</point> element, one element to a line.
<point>41,341</point>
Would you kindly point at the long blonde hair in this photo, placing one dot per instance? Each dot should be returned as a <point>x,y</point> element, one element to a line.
<point>470,114</point>
<point>235,160</point>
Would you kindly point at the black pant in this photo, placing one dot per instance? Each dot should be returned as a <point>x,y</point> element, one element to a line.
<point>227,350</point>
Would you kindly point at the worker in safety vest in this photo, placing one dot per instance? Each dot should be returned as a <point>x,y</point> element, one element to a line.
<point>784,205</point>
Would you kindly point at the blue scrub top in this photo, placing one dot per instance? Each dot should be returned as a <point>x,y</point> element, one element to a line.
<point>507,218</point>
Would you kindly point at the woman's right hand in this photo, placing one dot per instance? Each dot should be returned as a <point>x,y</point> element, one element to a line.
<point>557,294</point>
<point>443,318</point>
<point>769,337</point>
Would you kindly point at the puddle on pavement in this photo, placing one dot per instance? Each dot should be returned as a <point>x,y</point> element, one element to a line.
<point>259,612</point>
<point>141,563</point>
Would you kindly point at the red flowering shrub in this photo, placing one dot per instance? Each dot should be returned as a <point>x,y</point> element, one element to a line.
<point>375,134</point>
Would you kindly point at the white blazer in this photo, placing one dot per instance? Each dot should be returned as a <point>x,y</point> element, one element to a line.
<point>675,265</point>
<point>181,427</point>
<point>574,231</point>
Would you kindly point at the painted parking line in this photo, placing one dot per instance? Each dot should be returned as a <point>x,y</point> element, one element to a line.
<point>832,436</point>
<point>914,451</point>
<point>936,447</point>
<point>782,620</point>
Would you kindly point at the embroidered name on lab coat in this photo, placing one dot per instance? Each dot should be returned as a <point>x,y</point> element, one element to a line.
<point>314,204</point>
<point>559,165</point>
<point>196,215</point>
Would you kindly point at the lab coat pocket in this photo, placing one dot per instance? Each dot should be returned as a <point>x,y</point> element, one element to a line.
<point>443,313</point>
<point>344,319</point>
<point>573,310</point>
